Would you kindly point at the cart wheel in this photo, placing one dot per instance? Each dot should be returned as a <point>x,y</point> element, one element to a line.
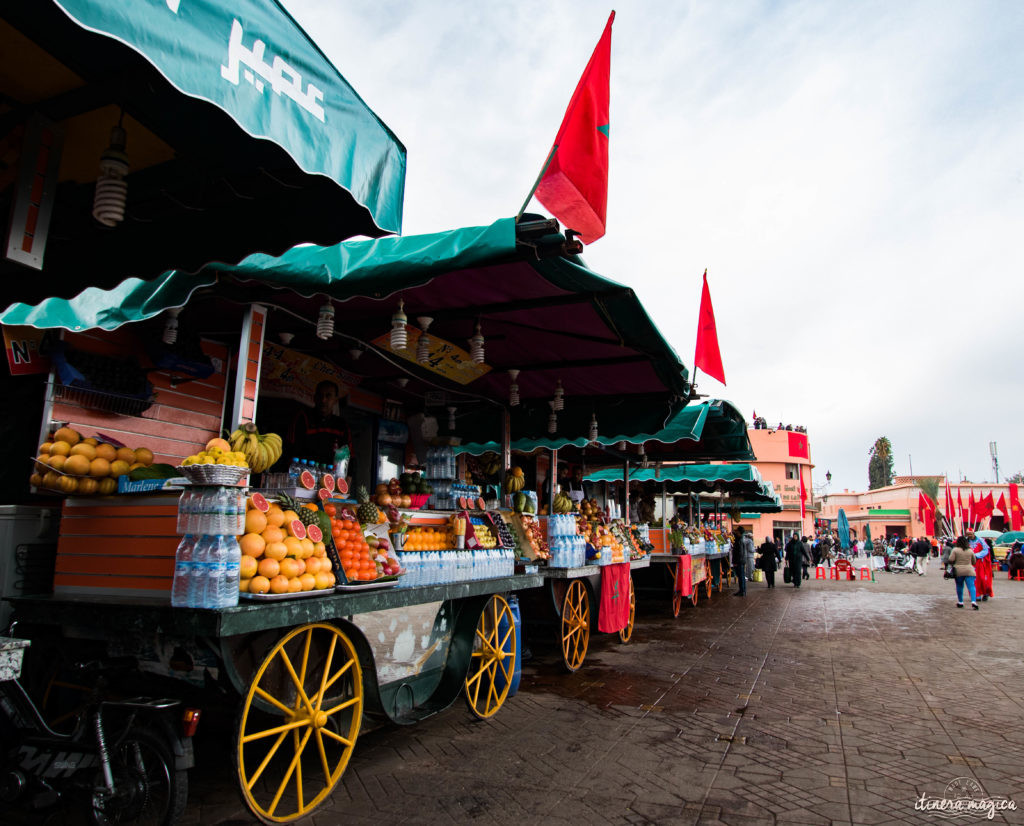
<point>493,658</point>
<point>677,604</point>
<point>708,585</point>
<point>695,594</point>
<point>575,625</point>
<point>310,687</point>
<point>626,634</point>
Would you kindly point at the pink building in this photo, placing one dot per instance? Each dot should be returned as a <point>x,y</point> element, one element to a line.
<point>893,509</point>
<point>783,458</point>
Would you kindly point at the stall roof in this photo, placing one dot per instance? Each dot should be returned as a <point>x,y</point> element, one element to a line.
<point>228,108</point>
<point>712,429</point>
<point>689,478</point>
<point>541,311</point>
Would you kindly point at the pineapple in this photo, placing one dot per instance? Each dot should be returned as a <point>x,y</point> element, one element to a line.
<point>367,512</point>
<point>306,516</point>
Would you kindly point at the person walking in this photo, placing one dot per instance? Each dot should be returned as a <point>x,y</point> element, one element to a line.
<point>750,553</point>
<point>769,561</point>
<point>796,555</point>
<point>739,560</point>
<point>982,565</point>
<point>920,549</point>
<point>962,560</point>
<point>807,557</point>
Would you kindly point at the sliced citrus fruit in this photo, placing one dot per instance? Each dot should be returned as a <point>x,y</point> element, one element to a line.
<point>324,494</point>
<point>258,502</point>
<point>314,533</point>
<point>342,487</point>
<point>298,529</point>
<point>328,481</point>
<point>307,480</point>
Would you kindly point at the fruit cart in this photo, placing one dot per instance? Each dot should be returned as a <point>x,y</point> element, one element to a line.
<point>305,671</point>
<point>695,557</point>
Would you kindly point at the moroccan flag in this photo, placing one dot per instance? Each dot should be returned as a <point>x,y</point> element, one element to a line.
<point>922,508</point>
<point>708,357</point>
<point>574,183</point>
<point>989,504</point>
<point>971,507</point>
<point>950,513</point>
<point>803,495</point>
<point>1016,516</point>
<point>960,506</point>
<point>1001,504</point>
<point>797,444</point>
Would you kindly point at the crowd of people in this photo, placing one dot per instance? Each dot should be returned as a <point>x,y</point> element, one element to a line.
<point>969,560</point>
<point>761,423</point>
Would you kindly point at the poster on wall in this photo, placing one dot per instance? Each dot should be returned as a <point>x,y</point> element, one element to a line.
<point>289,374</point>
<point>445,359</point>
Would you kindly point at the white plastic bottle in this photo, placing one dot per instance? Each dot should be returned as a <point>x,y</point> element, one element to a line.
<point>232,554</point>
<point>183,568</point>
<point>216,571</point>
<point>197,582</point>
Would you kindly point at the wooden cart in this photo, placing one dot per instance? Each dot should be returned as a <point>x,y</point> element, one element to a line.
<point>306,671</point>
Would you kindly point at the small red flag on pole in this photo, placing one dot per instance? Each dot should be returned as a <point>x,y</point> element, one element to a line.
<point>803,494</point>
<point>574,181</point>
<point>707,356</point>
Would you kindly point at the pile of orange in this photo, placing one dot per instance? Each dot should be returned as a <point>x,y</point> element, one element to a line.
<point>355,554</point>
<point>275,560</point>
<point>72,464</point>
<point>428,539</point>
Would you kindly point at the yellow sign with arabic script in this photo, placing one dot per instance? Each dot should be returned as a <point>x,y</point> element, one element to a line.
<point>445,359</point>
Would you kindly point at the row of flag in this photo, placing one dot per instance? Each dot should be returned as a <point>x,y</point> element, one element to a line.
<point>974,511</point>
<point>573,183</point>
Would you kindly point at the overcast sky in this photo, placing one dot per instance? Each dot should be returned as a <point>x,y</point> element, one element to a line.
<point>851,174</point>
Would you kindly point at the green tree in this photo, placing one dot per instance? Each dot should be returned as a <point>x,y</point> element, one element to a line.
<point>1016,478</point>
<point>880,464</point>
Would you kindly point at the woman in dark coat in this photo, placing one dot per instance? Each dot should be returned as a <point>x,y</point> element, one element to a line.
<point>769,561</point>
<point>796,558</point>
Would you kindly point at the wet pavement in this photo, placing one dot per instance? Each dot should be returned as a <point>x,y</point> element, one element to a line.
<point>839,703</point>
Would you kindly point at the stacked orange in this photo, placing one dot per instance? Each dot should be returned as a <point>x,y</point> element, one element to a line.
<point>274,559</point>
<point>353,551</point>
<point>428,539</point>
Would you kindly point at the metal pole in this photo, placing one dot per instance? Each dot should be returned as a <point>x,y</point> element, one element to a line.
<point>625,491</point>
<point>506,448</point>
<point>553,486</point>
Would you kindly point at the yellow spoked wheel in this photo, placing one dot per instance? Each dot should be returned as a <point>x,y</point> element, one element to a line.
<point>493,659</point>
<point>626,634</point>
<point>575,625</point>
<point>299,723</point>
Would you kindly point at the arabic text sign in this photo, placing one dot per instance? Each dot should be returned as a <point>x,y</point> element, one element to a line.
<point>446,359</point>
<point>289,374</point>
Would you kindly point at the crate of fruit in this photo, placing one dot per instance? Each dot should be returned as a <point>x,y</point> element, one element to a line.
<point>12,651</point>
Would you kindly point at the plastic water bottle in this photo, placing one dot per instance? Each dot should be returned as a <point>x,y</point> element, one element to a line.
<point>216,572</point>
<point>294,471</point>
<point>197,582</point>
<point>232,554</point>
<point>183,568</point>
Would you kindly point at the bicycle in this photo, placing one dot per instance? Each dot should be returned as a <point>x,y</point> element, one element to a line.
<point>125,756</point>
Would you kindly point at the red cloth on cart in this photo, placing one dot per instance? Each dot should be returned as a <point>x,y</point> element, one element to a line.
<point>684,575</point>
<point>614,613</point>
<point>983,576</point>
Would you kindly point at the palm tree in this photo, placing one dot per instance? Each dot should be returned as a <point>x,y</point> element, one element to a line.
<point>880,464</point>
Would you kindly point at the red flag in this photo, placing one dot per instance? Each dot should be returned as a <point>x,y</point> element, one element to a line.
<point>929,519</point>
<point>950,513</point>
<point>574,184</point>
<point>971,507</point>
<point>708,357</point>
<point>1001,504</point>
<point>921,507</point>
<point>1016,516</point>
<point>960,505</point>
<point>797,444</point>
<point>803,495</point>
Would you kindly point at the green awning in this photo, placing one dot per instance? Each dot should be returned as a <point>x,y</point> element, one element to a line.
<point>712,429</point>
<point>681,478</point>
<point>251,59</point>
<point>887,512</point>
<point>351,268</point>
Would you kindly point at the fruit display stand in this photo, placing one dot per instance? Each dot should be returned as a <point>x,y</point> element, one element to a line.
<point>570,602</point>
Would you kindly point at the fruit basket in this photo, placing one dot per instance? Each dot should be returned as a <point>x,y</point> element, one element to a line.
<point>213,474</point>
<point>418,500</point>
<point>11,653</point>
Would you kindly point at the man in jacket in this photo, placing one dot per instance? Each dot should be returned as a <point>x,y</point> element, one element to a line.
<point>795,556</point>
<point>750,554</point>
<point>920,549</point>
<point>739,560</point>
<point>807,557</point>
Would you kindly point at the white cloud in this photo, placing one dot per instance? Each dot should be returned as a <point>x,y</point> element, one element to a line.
<point>850,175</point>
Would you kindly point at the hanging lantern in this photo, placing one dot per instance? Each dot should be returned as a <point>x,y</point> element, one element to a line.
<point>325,321</point>
<point>593,427</point>
<point>513,389</point>
<point>171,326</point>
<point>111,188</point>
<point>621,445</point>
<point>399,335</point>
<point>559,396</point>
<point>423,345</point>
<point>451,418</point>
<point>553,422</point>
<point>476,346</point>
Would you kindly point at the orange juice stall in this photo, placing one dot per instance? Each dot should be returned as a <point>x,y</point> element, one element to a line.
<point>316,543</point>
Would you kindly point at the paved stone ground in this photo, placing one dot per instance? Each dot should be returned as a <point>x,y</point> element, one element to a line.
<point>840,703</point>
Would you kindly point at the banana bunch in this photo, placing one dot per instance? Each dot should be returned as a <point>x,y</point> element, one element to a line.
<point>261,450</point>
<point>491,464</point>
<point>562,503</point>
<point>515,481</point>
